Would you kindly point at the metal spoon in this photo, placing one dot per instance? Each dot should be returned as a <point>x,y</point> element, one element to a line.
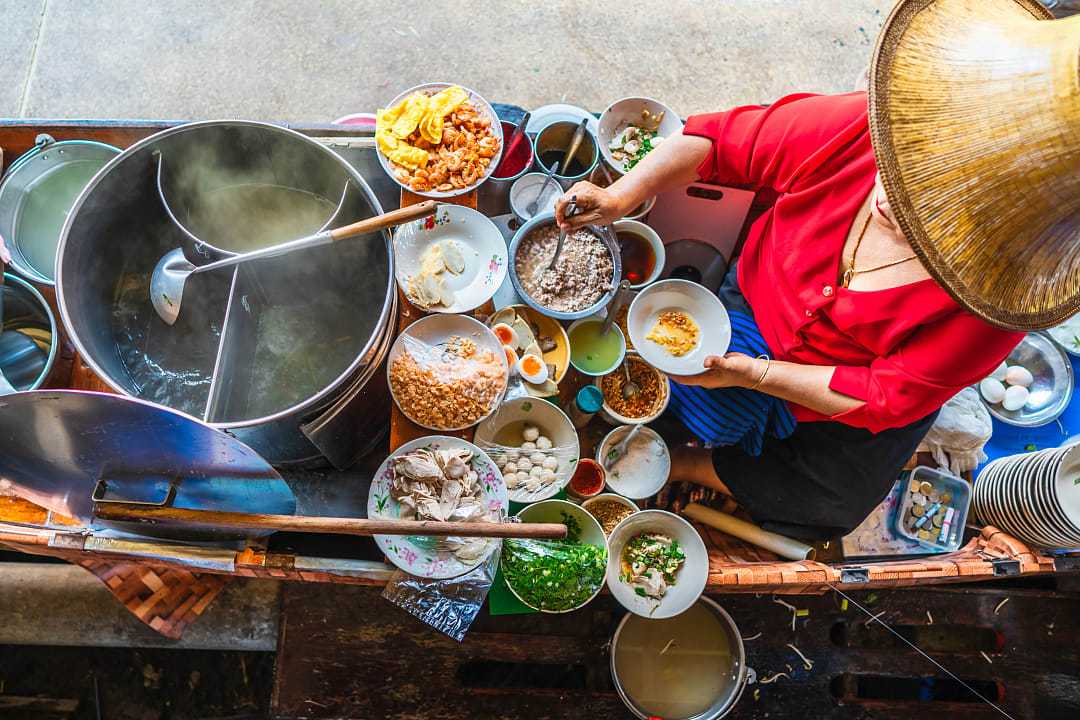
<point>630,388</point>
<point>616,453</point>
<point>173,269</point>
<point>571,151</point>
<point>614,306</point>
<point>569,211</point>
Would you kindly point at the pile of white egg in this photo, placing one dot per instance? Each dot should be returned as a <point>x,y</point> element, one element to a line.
<point>533,465</point>
<point>1007,385</point>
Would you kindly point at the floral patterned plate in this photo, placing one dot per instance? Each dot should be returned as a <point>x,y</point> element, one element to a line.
<point>421,555</point>
<point>482,247</point>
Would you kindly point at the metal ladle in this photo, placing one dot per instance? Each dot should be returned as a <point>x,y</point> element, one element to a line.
<point>173,270</point>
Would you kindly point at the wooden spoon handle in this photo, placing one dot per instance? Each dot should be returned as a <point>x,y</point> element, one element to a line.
<point>390,219</point>
<point>335,526</point>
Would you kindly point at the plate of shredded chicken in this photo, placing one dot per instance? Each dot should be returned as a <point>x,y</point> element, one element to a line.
<point>444,479</point>
<point>657,564</point>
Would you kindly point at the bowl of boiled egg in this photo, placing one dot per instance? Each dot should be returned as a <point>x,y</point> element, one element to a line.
<point>1033,386</point>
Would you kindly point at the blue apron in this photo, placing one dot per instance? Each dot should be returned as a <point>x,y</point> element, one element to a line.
<point>726,416</point>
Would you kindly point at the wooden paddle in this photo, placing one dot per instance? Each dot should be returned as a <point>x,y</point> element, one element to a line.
<point>334,526</point>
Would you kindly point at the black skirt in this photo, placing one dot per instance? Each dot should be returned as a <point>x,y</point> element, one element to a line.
<point>822,480</point>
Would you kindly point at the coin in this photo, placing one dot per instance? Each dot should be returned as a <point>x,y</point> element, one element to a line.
<point>925,487</point>
<point>938,519</point>
<point>925,535</point>
<point>918,499</point>
<point>946,498</point>
<point>913,486</point>
<point>918,510</point>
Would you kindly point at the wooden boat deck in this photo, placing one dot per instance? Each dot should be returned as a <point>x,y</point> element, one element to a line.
<point>735,567</point>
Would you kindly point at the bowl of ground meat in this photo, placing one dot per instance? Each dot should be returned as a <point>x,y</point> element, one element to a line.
<point>582,281</point>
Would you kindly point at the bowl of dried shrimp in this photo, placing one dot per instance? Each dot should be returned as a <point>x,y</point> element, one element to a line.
<point>412,484</point>
<point>447,372</point>
<point>650,401</point>
<point>438,140</point>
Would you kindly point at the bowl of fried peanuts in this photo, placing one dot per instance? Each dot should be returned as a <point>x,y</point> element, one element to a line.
<point>438,140</point>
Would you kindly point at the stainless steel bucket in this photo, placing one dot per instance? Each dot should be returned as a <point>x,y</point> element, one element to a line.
<point>37,191</point>
<point>280,352</point>
<point>30,338</point>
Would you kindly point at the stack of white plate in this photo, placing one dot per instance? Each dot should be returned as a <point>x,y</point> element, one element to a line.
<point>1034,496</point>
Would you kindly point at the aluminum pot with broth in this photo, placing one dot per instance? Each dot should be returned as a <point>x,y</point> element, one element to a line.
<point>688,667</point>
<point>278,352</point>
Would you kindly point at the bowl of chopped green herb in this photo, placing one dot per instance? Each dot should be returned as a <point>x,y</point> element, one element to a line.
<point>557,576</point>
<point>657,564</point>
<point>631,128</point>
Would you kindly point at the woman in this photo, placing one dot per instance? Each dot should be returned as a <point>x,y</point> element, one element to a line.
<point>857,339</point>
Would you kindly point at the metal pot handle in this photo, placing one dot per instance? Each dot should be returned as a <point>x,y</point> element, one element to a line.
<point>41,144</point>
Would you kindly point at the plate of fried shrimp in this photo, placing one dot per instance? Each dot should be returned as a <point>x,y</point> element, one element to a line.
<point>438,140</point>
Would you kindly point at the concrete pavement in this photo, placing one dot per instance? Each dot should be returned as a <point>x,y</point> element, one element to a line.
<point>314,60</point>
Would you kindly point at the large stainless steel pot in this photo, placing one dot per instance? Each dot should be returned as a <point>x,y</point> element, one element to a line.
<point>280,353</point>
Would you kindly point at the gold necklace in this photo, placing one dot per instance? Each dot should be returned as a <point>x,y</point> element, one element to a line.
<point>851,272</point>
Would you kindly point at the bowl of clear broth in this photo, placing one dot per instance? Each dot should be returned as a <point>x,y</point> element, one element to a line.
<point>642,252</point>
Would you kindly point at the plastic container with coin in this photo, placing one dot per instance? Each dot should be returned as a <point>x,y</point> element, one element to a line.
<point>933,510</point>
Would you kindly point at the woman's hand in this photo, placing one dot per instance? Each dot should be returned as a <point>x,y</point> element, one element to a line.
<point>596,206</point>
<point>732,370</point>
<point>5,256</point>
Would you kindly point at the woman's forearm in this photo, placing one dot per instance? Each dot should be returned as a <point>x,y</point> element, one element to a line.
<point>806,385</point>
<point>672,164</point>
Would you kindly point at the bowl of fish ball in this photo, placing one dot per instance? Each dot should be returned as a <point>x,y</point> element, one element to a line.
<point>1033,386</point>
<point>450,262</point>
<point>438,140</point>
<point>610,509</point>
<point>641,468</point>
<point>657,564</point>
<point>676,324</point>
<point>631,128</point>
<point>447,372</point>
<point>645,405</point>
<point>582,281</point>
<point>557,576</point>
<point>534,445</point>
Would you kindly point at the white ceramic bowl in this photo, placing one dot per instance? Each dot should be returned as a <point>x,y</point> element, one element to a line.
<point>637,488</point>
<point>650,236</point>
<point>530,187</point>
<point>608,413</point>
<point>436,330</point>
<point>551,511</point>
<point>552,423</point>
<point>703,306</point>
<point>482,245</point>
<point>421,555</point>
<point>690,579</point>
<point>482,107</point>
<point>627,111</point>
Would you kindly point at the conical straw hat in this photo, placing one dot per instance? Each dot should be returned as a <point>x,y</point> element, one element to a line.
<point>975,122</point>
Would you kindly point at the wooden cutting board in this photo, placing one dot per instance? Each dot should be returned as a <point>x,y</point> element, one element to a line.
<point>402,430</point>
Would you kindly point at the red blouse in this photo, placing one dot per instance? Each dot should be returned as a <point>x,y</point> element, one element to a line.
<point>904,351</point>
